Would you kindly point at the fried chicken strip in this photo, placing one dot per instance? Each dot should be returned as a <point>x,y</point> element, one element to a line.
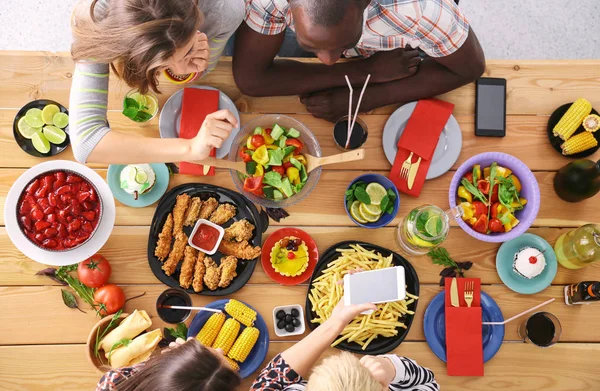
<point>181,206</point>
<point>191,216</point>
<point>212,275</point>
<point>165,237</point>
<point>227,269</point>
<point>208,207</point>
<point>176,254</point>
<point>199,271</point>
<point>223,214</point>
<point>240,250</point>
<point>187,267</point>
<point>239,231</point>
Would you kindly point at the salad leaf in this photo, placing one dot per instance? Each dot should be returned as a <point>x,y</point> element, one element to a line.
<point>288,150</point>
<point>272,178</point>
<point>251,168</point>
<point>298,187</point>
<point>493,170</point>
<point>275,157</point>
<point>281,141</point>
<point>303,174</point>
<point>296,163</point>
<point>70,300</point>
<point>505,218</point>
<point>361,194</point>
<point>474,190</point>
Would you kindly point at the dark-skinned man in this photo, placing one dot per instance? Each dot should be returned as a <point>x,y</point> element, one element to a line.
<point>382,33</point>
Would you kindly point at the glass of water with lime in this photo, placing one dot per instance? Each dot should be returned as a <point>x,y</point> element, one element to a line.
<point>140,107</point>
<point>425,228</point>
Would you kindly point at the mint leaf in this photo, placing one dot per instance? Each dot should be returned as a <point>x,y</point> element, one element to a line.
<point>131,103</point>
<point>385,202</point>
<point>143,116</point>
<point>361,194</point>
<point>130,112</point>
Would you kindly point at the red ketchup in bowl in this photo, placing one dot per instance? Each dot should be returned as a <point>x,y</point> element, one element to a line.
<point>206,237</point>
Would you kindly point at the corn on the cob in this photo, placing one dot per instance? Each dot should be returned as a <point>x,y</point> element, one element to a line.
<point>234,365</point>
<point>244,344</point>
<point>227,335</point>
<point>591,123</point>
<point>241,312</point>
<point>572,119</point>
<point>582,142</point>
<point>211,329</point>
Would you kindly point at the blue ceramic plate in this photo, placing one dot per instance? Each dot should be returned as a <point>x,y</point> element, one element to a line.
<point>385,218</point>
<point>259,351</point>
<point>434,325</point>
<point>147,199</point>
<point>505,258</point>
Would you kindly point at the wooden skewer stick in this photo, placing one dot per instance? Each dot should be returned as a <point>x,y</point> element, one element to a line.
<point>519,315</point>
<point>349,111</point>
<point>357,108</point>
<point>182,307</point>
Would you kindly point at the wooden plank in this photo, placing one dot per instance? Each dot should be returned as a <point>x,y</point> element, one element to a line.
<point>534,87</point>
<point>20,328</point>
<point>524,135</point>
<point>325,205</point>
<point>516,367</point>
<point>126,251</point>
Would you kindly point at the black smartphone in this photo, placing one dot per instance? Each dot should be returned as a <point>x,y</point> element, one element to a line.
<point>490,107</point>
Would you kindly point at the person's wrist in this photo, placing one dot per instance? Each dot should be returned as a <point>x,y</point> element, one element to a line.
<point>335,324</point>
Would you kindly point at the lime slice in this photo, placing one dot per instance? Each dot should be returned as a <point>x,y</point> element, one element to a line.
<point>151,104</point>
<point>40,142</point>
<point>373,210</point>
<point>131,173</point>
<point>376,192</point>
<point>141,177</point>
<point>48,113</point>
<point>54,134</point>
<point>60,120</point>
<point>420,242</point>
<point>355,213</point>
<point>139,98</point>
<point>434,226</point>
<point>26,130</point>
<point>33,117</point>
<point>370,217</point>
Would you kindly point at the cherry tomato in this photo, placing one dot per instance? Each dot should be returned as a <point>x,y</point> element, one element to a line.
<point>481,224</point>
<point>287,165</point>
<point>254,185</point>
<point>494,212</point>
<point>246,157</point>
<point>483,186</point>
<point>494,197</point>
<point>279,169</point>
<point>94,271</point>
<point>257,140</point>
<point>294,142</point>
<point>469,176</point>
<point>110,298</point>
<point>268,131</point>
<point>480,208</point>
<point>496,225</point>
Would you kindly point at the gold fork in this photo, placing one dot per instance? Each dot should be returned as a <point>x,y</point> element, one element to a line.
<point>469,286</point>
<point>406,167</point>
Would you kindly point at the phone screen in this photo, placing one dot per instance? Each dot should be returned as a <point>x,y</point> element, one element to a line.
<point>376,286</point>
<point>491,116</point>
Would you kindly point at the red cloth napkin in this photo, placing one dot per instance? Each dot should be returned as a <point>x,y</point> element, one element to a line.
<point>196,105</point>
<point>464,347</point>
<point>420,136</point>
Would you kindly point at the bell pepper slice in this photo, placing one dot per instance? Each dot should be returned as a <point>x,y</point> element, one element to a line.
<point>261,155</point>
<point>249,143</point>
<point>246,157</point>
<point>293,175</point>
<point>300,158</point>
<point>260,170</point>
<point>483,186</point>
<point>253,184</point>
<point>480,208</point>
<point>294,142</point>
<point>481,224</point>
<point>464,194</point>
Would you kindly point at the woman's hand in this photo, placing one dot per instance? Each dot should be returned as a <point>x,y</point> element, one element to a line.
<point>344,314</point>
<point>382,369</point>
<point>196,60</point>
<point>215,129</point>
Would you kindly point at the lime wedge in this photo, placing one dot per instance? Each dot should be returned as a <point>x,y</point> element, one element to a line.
<point>48,114</point>
<point>151,104</point>
<point>40,143</point>
<point>141,177</point>
<point>131,173</point>
<point>367,215</point>
<point>60,120</point>
<point>355,213</point>
<point>139,98</point>
<point>33,117</point>
<point>416,241</point>
<point>434,226</point>
<point>376,192</point>
<point>54,134</point>
<point>26,130</point>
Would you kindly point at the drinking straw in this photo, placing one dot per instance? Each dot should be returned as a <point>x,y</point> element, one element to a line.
<point>357,107</point>
<point>349,110</point>
<point>519,315</point>
<point>182,307</point>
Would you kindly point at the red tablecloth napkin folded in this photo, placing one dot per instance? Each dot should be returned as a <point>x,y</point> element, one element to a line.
<point>464,347</point>
<point>420,136</point>
<point>196,105</point>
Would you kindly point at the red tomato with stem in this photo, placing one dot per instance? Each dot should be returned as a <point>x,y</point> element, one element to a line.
<point>480,208</point>
<point>257,140</point>
<point>294,142</point>
<point>110,298</point>
<point>481,224</point>
<point>279,169</point>
<point>496,225</point>
<point>94,271</point>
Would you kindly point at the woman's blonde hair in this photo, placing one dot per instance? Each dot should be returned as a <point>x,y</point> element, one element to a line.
<point>342,372</point>
<point>137,37</point>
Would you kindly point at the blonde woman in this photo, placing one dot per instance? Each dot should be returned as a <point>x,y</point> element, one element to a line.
<point>139,39</point>
<point>340,372</point>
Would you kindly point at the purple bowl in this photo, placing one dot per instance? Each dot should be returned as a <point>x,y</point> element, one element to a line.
<point>530,191</point>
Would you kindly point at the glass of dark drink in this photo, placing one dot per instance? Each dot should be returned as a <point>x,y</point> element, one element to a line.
<point>358,137</point>
<point>541,329</point>
<point>176,297</point>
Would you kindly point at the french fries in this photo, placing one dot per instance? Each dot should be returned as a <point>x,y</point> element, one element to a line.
<point>326,293</point>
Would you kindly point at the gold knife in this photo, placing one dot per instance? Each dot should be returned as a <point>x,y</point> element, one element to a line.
<point>454,293</point>
<point>414,168</point>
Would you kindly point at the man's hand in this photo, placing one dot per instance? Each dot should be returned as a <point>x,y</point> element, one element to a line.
<point>330,105</point>
<point>393,65</point>
<point>381,368</point>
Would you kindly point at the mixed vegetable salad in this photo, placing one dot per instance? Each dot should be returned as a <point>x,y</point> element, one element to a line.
<point>275,166</point>
<point>490,198</point>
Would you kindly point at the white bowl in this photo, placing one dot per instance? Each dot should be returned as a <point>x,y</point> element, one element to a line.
<point>288,309</point>
<point>211,224</point>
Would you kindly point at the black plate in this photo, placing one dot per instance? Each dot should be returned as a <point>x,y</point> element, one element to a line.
<point>380,345</point>
<point>26,144</point>
<point>557,141</point>
<point>245,209</point>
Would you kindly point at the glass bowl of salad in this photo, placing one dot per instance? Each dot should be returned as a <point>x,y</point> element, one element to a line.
<point>499,195</point>
<point>274,147</point>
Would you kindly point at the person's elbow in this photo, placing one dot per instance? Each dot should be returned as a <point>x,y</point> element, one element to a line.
<point>476,68</point>
<point>79,152</point>
<point>249,82</point>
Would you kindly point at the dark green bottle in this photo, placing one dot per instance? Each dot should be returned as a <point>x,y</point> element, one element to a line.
<point>578,180</point>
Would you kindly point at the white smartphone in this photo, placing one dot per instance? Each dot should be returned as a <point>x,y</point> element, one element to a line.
<point>375,286</point>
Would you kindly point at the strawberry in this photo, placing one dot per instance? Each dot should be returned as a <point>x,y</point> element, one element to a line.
<point>90,215</point>
<point>33,186</point>
<point>41,225</point>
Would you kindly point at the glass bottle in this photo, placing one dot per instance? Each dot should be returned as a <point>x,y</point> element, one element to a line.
<point>579,247</point>
<point>578,180</point>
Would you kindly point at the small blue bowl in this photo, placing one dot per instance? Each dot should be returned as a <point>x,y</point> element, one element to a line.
<point>512,279</point>
<point>385,218</point>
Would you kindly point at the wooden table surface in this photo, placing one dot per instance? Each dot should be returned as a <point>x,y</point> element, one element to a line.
<point>42,342</point>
